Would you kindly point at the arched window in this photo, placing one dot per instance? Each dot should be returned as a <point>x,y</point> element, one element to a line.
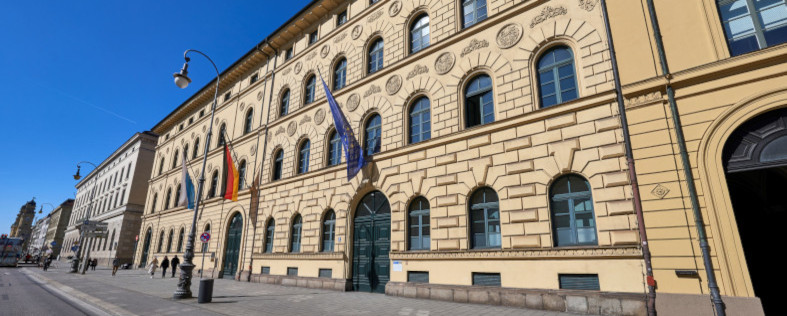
<point>278,159</point>
<point>169,198</point>
<point>160,241</point>
<point>214,182</point>
<point>248,123</point>
<point>340,74</point>
<point>419,33</point>
<point>242,174</point>
<point>180,240</point>
<point>334,149</point>
<point>753,25</point>
<point>161,166</point>
<point>303,157</point>
<point>473,11</point>
<point>205,245</point>
<point>177,196</point>
<point>373,135</point>
<point>556,78</point>
<point>485,219</point>
<point>186,152</point>
<point>269,231</point>
<point>169,242</point>
<point>222,134</point>
<point>328,229</point>
<point>284,107</point>
<point>479,102</point>
<point>196,149</point>
<point>420,127</point>
<point>419,231</point>
<point>376,56</point>
<point>573,222</point>
<point>308,92</point>
<point>175,159</point>
<point>295,238</point>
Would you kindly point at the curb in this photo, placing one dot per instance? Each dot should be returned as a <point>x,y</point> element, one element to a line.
<point>84,301</point>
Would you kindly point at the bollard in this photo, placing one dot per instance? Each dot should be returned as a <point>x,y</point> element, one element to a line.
<point>205,291</point>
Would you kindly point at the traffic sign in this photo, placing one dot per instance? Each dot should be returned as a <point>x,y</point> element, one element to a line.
<point>204,237</point>
<point>53,243</point>
<point>74,248</point>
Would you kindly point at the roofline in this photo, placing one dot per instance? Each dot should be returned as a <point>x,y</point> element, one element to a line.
<point>114,153</point>
<point>222,73</point>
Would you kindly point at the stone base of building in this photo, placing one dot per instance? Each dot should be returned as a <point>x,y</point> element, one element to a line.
<point>580,302</point>
<point>701,305</point>
<point>307,282</point>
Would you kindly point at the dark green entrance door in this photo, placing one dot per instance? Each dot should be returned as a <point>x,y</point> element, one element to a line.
<point>371,244</point>
<point>145,249</point>
<point>232,252</point>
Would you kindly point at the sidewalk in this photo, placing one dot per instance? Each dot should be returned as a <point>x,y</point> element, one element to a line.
<point>132,292</point>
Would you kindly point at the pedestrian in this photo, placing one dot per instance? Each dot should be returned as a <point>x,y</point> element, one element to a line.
<point>93,264</point>
<point>115,266</point>
<point>175,262</point>
<point>27,258</point>
<point>164,266</point>
<point>47,262</point>
<point>152,267</point>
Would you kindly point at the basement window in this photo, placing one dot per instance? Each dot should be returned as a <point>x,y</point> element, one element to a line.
<point>417,276</point>
<point>486,279</point>
<point>579,282</point>
<point>292,271</point>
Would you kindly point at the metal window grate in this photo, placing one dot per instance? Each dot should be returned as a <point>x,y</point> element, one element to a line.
<point>292,271</point>
<point>266,270</point>
<point>579,282</point>
<point>418,276</point>
<point>326,273</point>
<point>486,279</point>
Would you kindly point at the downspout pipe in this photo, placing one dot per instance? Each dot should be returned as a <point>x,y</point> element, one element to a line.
<point>643,236</point>
<point>718,303</point>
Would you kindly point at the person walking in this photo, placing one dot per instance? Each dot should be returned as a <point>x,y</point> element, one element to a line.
<point>175,262</point>
<point>164,266</point>
<point>152,267</point>
<point>115,266</point>
<point>93,264</point>
<point>47,262</point>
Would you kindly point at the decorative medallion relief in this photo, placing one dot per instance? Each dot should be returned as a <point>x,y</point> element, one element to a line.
<point>418,70</point>
<point>311,56</point>
<point>298,68</point>
<point>372,90</point>
<point>242,105</point>
<point>588,5</point>
<point>286,71</point>
<point>357,31</point>
<point>339,37</point>
<point>324,51</point>
<point>319,116</point>
<point>253,149</point>
<point>306,119</point>
<point>182,141</point>
<point>291,128</point>
<point>204,128</point>
<point>660,191</point>
<point>353,101</point>
<point>473,46</point>
<point>216,121</point>
<point>259,96</point>
<point>280,130</point>
<point>393,84</point>
<point>375,16</point>
<point>192,135</point>
<point>444,63</point>
<point>509,35</point>
<point>547,13</point>
<point>395,7</point>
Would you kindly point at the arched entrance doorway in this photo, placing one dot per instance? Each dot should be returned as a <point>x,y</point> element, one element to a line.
<point>232,252</point>
<point>145,248</point>
<point>371,243</point>
<point>755,161</point>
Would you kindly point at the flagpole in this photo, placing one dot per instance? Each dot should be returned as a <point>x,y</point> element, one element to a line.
<point>186,268</point>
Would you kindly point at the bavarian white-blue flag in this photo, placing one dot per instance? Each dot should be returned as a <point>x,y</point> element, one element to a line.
<point>186,197</point>
<point>352,150</point>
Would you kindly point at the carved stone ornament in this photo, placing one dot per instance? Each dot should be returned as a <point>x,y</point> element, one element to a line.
<point>509,35</point>
<point>298,68</point>
<point>393,84</point>
<point>395,7</point>
<point>291,128</point>
<point>375,16</point>
<point>311,56</point>
<point>204,128</point>
<point>253,149</point>
<point>353,101</point>
<point>192,135</point>
<point>259,96</point>
<point>444,63</point>
<point>357,31</point>
<point>418,70</point>
<point>588,5</point>
<point>473,46</point>
<point>372,90</point>
<point>643,99</point>
<point>280,130</point>
<point>319,116</point>
<point>547,13</point>
<point>286,71</point>
<point>270,137</point>
<point>660,191</point>
<point>324,51</point>
<point>339,37</point>
<point>306,119</point>
<point>242,105</point>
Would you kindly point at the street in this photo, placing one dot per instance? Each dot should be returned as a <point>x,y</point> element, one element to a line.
<point>22,295</point>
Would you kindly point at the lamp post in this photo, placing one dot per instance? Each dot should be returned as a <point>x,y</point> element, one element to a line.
<point>186,268</point>
<point>75,262</point>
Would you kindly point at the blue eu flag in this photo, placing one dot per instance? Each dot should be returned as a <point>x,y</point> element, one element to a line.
<point>352,150</point>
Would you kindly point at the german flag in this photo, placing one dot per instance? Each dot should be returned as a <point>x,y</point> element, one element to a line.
<point>231,177</point>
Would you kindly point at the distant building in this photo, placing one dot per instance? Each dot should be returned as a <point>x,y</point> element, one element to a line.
<point>22,227</point>
<point>37,245</point>
<point>57,227</point>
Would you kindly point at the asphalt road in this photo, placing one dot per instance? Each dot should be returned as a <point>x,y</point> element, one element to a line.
<point>21,295</point>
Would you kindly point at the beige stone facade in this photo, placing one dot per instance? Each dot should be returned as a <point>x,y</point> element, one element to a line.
<point>520,155</point>
<point>58,223</point>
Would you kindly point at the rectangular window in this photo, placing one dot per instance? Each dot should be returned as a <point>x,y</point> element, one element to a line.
<point>753,24</point>
<point>326,273</point>
<point>288,54</point>
<point>341,18</point>
<point>180,128</point>
<point>313,37</point>
<point>227,96</point>
<point>292,271</point>
<point>486,279</point>
<point>201,113</point>
<point>266,270</point>
<point>417,277</point>
<point>579,282</point>
<point>253,79</point>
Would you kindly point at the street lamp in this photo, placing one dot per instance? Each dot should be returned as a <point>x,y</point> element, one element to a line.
<point>182,81</point>
<point>75,262</point>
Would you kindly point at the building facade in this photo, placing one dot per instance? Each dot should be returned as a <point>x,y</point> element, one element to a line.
<point>113,193</point>
<point>497,169</point>
<point>37,244</point>
<point>23,225</point>
<point>57,227</point>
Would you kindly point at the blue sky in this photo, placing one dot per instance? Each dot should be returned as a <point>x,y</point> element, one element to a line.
<point>78,78</point>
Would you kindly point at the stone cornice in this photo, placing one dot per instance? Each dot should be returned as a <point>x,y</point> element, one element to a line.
<point>536,254</point>
<point>300,256</point>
